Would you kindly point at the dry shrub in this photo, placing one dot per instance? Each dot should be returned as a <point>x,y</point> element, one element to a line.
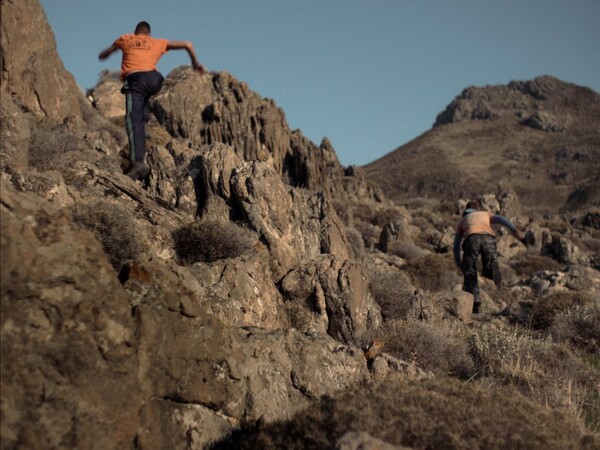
<point>385,216</point>
<point>546,308</point>
<point>356,243</point>
<point>546,372</point>
<point>363,212</point>
<point>370,233</point>
<point>343,210</point>
<point>440,350</point>
<point>528,264</point>
<point>434,273</point>
<point>407,250</point>
<point>579,326</point>
<point>114,227</point>
<point>50,144</point>
<point>211,240</point>
<point>393,292</point>
<point>430,414</point>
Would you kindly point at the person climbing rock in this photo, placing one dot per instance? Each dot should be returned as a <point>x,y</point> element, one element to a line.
<point>141,53</point>
<point>475,228</point>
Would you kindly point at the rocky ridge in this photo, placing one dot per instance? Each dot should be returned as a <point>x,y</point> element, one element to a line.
<point>236,287</point>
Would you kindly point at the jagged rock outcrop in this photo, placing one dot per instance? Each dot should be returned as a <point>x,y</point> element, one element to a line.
<point>218,108</point>
<point>32,72</point>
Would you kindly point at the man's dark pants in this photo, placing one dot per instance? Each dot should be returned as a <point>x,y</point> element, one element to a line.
<point>138,88</point>
<point>473,246</point>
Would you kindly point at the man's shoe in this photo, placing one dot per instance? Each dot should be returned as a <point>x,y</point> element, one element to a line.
<point>138,171</point>
<point>476,307</point>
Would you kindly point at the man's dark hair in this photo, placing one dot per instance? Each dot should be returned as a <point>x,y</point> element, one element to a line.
<point>142,28</point>
<point>472,205</point>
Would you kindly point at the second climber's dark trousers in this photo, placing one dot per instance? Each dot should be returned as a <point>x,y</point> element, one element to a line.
<point>473,246</point>
<point>138,88</point>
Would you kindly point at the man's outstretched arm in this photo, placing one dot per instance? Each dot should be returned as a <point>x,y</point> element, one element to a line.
<point>508,224</point>
<point>189,47</point>
<point>107,52</point>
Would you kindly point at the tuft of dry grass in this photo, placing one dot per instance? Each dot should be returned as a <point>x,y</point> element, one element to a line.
<point>528,265</point>
<point>211,240</point>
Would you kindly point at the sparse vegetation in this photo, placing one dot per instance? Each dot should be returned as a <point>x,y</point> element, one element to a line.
<point>429,414</point>
<point>527,264</point>
<point>439,349</point>
<point>211,240</point>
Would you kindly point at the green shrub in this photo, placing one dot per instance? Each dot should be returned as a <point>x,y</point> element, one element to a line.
<point>211,240</point>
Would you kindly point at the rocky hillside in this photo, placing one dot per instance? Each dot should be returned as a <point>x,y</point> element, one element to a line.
<point>539,137</point>
<point>254,293</point>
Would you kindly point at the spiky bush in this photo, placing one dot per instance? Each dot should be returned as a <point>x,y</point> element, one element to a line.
<point>211,240</point>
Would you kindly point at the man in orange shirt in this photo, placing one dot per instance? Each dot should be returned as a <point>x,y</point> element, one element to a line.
<point>475,228</point>
<point>142,80</point>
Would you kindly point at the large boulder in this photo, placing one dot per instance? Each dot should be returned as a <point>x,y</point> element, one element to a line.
<point>294,225</point>
<point>207,378</point>
<point>331,295</point>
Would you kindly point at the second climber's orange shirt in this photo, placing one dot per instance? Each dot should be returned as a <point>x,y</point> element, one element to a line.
<point>140,52</point>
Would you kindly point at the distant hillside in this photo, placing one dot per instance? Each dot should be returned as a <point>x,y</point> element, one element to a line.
<point>539,137</point>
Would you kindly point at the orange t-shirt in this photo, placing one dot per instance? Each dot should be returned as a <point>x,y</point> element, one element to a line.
<point>477,222</point>
<point>140,52</point>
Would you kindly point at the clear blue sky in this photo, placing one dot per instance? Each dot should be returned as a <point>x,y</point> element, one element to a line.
<point>370,75</point>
